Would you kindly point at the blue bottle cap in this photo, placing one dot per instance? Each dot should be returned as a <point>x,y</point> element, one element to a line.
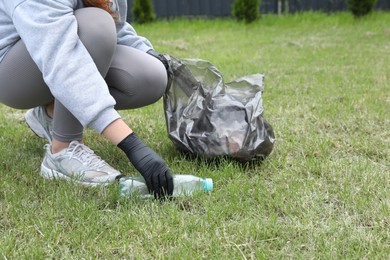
<point>208,184</point>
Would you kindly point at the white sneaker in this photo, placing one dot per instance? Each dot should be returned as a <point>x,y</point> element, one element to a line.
<point>39,122</point>
<point>78,163</point>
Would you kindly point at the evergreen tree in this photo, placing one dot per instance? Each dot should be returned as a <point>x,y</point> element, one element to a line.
<point>361,7</point>
<point>246,10</point>
<point>143,11</point>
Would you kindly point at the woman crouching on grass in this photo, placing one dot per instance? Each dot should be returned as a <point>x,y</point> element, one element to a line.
<point>74,63</point>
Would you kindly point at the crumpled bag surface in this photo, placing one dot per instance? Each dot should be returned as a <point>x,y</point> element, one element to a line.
<point>210,118</point>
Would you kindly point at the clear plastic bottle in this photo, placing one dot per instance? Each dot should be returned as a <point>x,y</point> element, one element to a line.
<point>184,185</point>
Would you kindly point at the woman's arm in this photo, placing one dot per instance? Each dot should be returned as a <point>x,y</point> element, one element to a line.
<point>50,32</point>
<point>126,33</point>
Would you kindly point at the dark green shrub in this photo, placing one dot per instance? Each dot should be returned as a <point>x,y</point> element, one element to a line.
<point>246,10</point>
<point>143,11</point>
<point>361,7</point>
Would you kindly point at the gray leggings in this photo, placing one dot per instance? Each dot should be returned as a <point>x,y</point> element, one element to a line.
<point>135,79</point>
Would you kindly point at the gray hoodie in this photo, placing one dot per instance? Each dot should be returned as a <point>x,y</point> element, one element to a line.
<point>49,30</point>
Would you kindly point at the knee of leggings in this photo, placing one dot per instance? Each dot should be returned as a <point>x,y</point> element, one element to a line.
<point>96,29</point>
<point>159,82</point>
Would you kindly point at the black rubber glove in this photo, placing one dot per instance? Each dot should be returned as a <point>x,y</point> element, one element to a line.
<point>154,169</point>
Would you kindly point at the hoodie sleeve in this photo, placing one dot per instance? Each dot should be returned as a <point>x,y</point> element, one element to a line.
<point>49,30</point>
<point>126,33</point>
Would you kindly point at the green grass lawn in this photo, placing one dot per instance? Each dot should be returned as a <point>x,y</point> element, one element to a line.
<point>322,193</point>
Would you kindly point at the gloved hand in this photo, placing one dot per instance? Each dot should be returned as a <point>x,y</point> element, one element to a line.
<point>154,169</point>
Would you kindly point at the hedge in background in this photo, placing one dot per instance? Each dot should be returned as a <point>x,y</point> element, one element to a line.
<point>246,10</point>
<point>361,7</point>
<point>143,11</point>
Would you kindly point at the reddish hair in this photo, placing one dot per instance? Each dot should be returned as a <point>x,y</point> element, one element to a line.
<point>103,4</point>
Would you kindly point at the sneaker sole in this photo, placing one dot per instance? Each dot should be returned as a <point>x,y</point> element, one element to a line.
<point>52,174</point>
<point>35,126</point>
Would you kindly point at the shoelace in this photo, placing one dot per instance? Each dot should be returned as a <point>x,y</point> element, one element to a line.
<point>86,154</point>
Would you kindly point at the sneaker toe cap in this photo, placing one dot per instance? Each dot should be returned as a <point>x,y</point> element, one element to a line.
<point>102,176</point>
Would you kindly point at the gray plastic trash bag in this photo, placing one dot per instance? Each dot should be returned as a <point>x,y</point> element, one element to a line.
<point>209,118</point>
